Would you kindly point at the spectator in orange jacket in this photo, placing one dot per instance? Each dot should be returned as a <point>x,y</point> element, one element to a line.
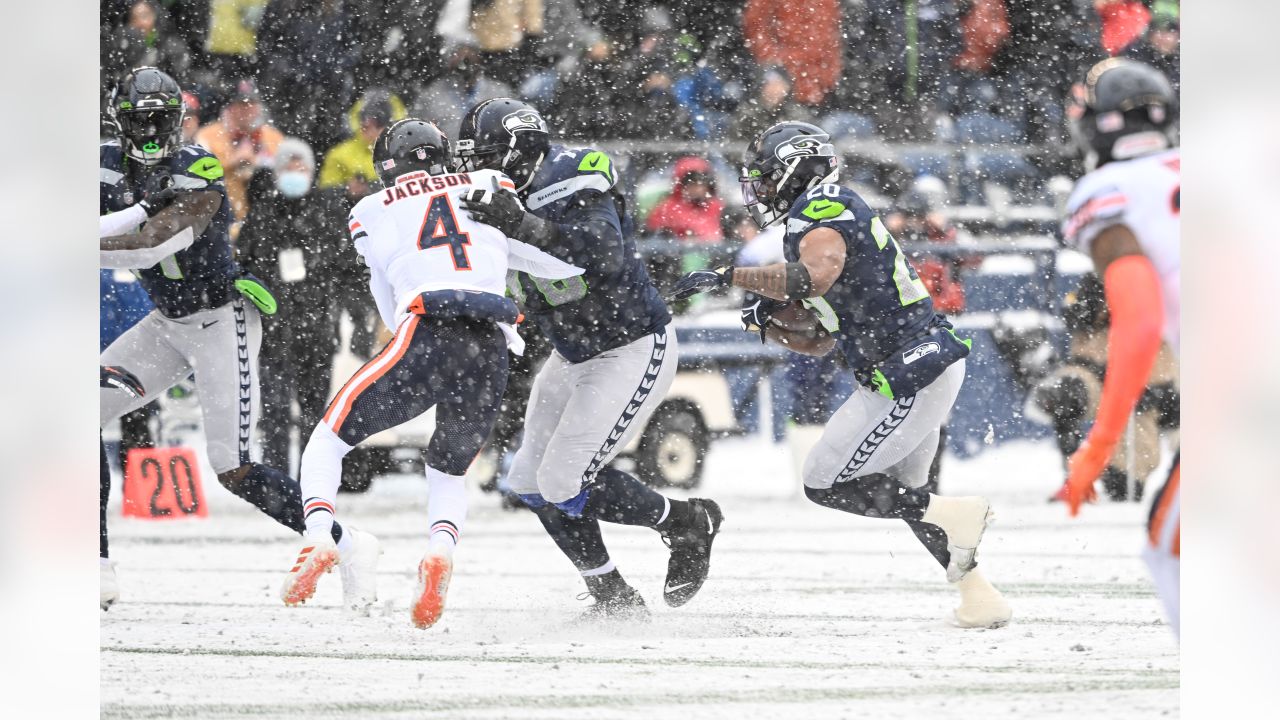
<point>242,141</point>
<point>802,37</point>
<point>692,211</point>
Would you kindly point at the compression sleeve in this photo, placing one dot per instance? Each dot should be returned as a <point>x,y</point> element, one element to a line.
<point>118,223</point>
<point>146,257</point>
<point>1137,315</point>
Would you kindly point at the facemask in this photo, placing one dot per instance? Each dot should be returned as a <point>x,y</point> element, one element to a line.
<point>293,184</point>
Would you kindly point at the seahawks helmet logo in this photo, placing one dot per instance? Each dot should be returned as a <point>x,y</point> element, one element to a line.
<point>798,147</point>
<point>523,120</point>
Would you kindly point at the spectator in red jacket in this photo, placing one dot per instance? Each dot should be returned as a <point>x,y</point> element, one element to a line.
<point>1123,21</point>
<point>914,222</point>
<point>692,211</point>
<point>803,37</point>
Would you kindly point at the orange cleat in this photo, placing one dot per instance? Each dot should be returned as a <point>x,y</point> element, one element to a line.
<point>314,559</point>
<point>433,584</point>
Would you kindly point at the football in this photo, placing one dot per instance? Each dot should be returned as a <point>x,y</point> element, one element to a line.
<point>795,318</point>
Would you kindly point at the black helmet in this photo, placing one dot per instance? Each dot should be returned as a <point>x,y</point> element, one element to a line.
<point>1124,109</point>
<point>781,164</point>
<point>408,146</point>
<point>503,134</point>
<point>146,110</point>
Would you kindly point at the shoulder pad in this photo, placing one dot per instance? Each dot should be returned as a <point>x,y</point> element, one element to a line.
<point>595,161</point>
<point>1097,201</point>
<point>196,168</point>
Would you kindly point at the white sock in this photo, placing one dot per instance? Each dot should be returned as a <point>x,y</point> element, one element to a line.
<point>602,570</point>
<point>320,475</point>
<point>446,509</point>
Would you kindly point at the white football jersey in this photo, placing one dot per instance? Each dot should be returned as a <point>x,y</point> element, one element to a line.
<point>1142,194</point>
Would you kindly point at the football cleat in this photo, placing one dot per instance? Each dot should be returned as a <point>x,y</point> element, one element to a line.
<point>981,605</point>
<point>315,558</point>
<point>690,544</point>
<point>434,573</point>
<point>108,588</point>
<point>359,569</point>
<point>625,604</point>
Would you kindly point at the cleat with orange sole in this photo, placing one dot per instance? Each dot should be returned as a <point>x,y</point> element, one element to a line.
<point>314,559</point>
<point>433,584</point>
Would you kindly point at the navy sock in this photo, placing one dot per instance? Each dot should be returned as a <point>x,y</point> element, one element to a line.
<point>104,494</point>
<point>276,494</point>
<point>617,497</point>
<point>876,495</point>
<point>578,538</point>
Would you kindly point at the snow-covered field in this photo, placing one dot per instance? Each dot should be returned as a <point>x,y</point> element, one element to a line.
<point>808,613</point>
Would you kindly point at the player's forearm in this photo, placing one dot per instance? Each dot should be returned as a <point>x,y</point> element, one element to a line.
<point>193,210</point>
<point>1133,342</point>
<point>122,252</point>
<point>118,222</point>
<point>770,280</point>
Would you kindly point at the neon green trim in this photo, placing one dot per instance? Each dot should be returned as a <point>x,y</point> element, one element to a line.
<point>967,342</point>
<point>151,147</point>
<point>257,294</point>
<point>169,266</point>
<point>823,209</point>
<point>881,384</point>
<point>174,101</point>
<point>206,167</point>
<point>824,312</point>
<point>880,233</point>
<point>126,105</point>
<point>596,161</point>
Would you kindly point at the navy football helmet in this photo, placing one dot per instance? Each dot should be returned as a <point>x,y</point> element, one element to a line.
<point>408,146</point>
<point>146,110</point>
<point>781,164</point>
<point>503,134</point>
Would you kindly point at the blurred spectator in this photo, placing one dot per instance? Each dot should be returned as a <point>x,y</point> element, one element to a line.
<point>290,241</point>
<point>1123,21</point>
<point>1160,46</point>
<point>771,104</point>
<point>242,141</point>
<point>504,32</point>
<point>567,41</point>
<point>985,28</point>
<point>692,212</point>
<point>147,38</point>
<point>447,98</point>
<point>907,49</point>
<point>232,38</point>
<point>307,56</point>
<point>698,88</point>
<point>803,38</point>
<point>350,163</point>
<point>914,221</point>
<point>190,117</point>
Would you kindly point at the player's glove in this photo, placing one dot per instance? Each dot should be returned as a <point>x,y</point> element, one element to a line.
<point>117,378</point>
<point>757,311</point>
<point>157,193</point>
<point>1083,469</point>
<point>700,281</point>
<point>501,209</point>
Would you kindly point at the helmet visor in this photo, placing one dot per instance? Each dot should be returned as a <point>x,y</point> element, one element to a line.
<point>138,124</point>
<point>758,193</point>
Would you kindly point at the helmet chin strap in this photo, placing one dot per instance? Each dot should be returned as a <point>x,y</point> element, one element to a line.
<point>529,180</point>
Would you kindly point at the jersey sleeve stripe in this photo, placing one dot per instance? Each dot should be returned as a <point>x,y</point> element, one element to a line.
<point>359,234</point>
<point>1091,210</point>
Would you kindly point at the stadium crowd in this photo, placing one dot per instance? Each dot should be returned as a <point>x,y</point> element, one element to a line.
<point>290,95</point>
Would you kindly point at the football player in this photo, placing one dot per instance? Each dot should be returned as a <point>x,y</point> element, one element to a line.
<point>164,214</point>
<point>1125,214</point>
<point>438,278</point>
<point>849,272</point>
<point>614,359</point>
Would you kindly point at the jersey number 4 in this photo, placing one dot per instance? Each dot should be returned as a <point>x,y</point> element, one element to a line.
<point>440,227</point>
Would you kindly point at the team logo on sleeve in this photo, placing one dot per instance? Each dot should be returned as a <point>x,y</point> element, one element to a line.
<point>523,120</point>
<point>920,351</point>
<point>798,147</point>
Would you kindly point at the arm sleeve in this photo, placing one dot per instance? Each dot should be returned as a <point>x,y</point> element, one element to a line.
<point>117,223</point>
<point>146,257</point>
<point>1137,314</point>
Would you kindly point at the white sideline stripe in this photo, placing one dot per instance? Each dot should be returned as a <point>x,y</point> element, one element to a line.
<point>360,377</point>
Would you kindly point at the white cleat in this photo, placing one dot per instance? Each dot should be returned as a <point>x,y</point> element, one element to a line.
<point>359,569</point>
<point>108,588</point>
<point>981,605</point>
<point>315,558</point>
<point>964,519</point>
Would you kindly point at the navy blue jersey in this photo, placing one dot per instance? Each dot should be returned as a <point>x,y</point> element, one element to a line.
<point>613,302</point>
<point>201,276</point>
<point>878,303</point>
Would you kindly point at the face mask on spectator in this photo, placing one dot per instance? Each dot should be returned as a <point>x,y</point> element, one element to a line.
<point>293,183</point>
